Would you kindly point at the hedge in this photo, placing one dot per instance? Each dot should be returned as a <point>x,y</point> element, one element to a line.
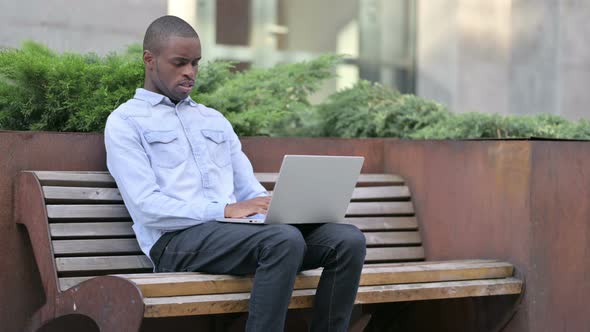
<point>44,90</point>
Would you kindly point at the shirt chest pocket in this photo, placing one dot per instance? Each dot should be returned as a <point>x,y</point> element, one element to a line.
<point>165,149</point>
<point>217,146</point>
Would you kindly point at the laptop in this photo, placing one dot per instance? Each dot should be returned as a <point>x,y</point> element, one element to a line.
<point>310,189</point>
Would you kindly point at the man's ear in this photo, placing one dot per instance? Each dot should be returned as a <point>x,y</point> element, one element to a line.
<point>149,60</point>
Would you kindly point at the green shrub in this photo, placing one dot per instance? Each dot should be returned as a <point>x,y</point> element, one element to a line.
<point>408,115</point>
<point>269,101</point>
<point>44,90</point>
<point>353,112</point>
<point>372,110</point>
<point>483,125</point>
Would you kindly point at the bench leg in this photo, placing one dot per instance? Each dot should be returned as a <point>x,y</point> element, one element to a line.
<point>113,303</point>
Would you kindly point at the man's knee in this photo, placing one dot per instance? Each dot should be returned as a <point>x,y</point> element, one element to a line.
<point>289,239</point>
<point>352,240</point>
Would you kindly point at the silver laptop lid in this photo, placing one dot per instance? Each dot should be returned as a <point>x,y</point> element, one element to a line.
<point>314,189</point>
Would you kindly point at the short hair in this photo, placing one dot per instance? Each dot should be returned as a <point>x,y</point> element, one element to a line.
<point>163,28</point>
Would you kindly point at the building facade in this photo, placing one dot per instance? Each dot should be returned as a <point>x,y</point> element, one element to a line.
<point>505,56</point>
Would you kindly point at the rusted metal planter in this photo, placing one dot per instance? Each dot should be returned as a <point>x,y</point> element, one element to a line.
<point>526,202</point>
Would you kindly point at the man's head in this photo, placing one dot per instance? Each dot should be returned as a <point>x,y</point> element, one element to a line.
<point>171,54</point>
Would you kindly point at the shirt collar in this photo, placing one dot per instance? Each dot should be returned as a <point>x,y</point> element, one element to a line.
<point>155,98</point>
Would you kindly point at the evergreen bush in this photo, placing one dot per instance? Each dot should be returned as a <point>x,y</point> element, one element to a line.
<point>44,90</point>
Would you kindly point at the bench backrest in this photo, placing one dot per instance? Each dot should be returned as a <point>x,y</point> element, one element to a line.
<point>90,228</point>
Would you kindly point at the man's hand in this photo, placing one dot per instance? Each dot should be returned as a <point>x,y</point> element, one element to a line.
<point>247,208</point>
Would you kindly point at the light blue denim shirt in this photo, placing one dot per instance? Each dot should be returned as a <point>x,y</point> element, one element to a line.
<point>176,165</point>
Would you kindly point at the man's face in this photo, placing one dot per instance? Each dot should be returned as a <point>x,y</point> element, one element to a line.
<point>172,71</point>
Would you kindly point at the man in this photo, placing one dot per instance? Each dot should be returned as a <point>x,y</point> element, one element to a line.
<point>179,167</point>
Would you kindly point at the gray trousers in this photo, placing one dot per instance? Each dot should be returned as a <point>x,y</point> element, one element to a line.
<point>274,254</point>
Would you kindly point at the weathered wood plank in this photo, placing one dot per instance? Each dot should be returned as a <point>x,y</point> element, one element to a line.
<point>394,254</point>
<point>104,179</point>
<point>75,178</point>
<point>118,211</point>
<point>96,247</point>
<point>67,282</point>
<point>383,223</point>
<point>379,208</point>
<point>123,229</point>
<point>392,238</point>
<point>381,193</point>
<point>72,264</point>
<point>91,229</point>
<point>104,263</point>
<point>55,194</point>
<point>399,264</point>
<point>75,211</point>
<point>363,180</point>
<point>130,246</point>
<point>200,284</point>
<point>238,302</point>
<point>58,194</point>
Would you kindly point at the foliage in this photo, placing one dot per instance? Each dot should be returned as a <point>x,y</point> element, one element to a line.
<point>44,90</point>
<point>353,112</point>
<point>372,110</point>
<point>478,125</point>
<point>268,101</point>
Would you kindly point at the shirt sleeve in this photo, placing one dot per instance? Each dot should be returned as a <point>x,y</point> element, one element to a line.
<point>246,186</point>
<point>128,163</point>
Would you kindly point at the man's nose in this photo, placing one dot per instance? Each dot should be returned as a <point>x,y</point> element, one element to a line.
<point>189,71</point>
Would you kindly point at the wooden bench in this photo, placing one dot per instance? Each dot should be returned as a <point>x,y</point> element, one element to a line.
<point>90,262</point>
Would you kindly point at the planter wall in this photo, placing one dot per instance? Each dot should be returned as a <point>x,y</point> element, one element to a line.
<point>526,202</point>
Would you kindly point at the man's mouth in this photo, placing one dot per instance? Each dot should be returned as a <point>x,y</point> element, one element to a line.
<point>186,86</point>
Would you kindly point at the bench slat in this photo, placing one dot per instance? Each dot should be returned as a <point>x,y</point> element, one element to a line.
<point>104,179</point>
<point>238,302</point>
<point>201,284</point>
<point>381,193</point>
<point>80,211</point>
<point>363,179</point>
<point>380,208</point>
<point>89,195</point>
<point>118,211</point>
<point>102,263</point>
<point>67,282</point>
<point>111,263</point>
<point>392,238</point>
<point>130,246</point>
<point>123,229</point>
<point>96,247</point>
<point>55,194</point>
<point>383,223</point>
<point>398,264</point>
<point>91,229</point>
<point>75,179</point>
<point>394,254</point>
